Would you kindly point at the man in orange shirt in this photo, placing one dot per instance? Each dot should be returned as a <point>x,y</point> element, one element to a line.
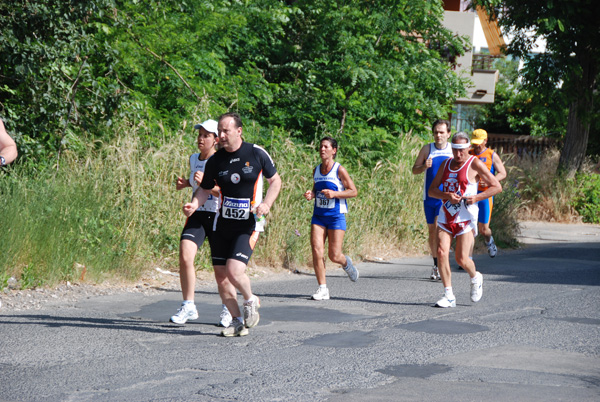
<point>496,167</point>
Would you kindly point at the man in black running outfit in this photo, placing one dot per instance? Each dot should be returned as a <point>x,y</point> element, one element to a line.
<point>237,168</point>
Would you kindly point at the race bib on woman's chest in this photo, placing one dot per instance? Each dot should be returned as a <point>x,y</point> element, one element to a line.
<point>323,202</point>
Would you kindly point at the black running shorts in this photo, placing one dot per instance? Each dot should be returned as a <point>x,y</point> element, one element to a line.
<point>235,245</point>
<point>199,226</point>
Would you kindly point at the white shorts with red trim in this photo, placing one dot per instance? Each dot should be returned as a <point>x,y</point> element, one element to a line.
<point>459,228</point>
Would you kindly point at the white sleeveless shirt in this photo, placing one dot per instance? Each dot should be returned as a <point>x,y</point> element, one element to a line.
<point>197,165</point>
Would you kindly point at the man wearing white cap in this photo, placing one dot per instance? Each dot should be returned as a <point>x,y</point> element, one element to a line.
<point>198,226</point>
<point>458,177</point>
<point>494,164</point>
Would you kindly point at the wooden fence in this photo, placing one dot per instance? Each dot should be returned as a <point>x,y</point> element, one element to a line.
<point>521,145</point>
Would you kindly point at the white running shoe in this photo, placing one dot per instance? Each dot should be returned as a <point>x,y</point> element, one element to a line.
<point>237,328</point>
<point>444,302</point>
<point>225,318</point>
<point>351,270</point>
<point>435,274</point>
<point>322,294</point>
<point>185,312</point>
<point>477,288</point>
<point>492,249</point>
<point>251,316</point>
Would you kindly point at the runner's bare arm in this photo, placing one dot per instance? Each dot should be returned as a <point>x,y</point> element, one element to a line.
<point>499,167</point>
<point>199,198</point>
<point>435,192</point>
<point>310,194</point>
<point>422,162</point>
<point>484,174</point>
<point>350,189</point>
<point>8,148</point>
<point>182,183</point>
<point>273,191</point>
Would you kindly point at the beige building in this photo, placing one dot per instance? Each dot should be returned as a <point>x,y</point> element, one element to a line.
<point>477,63</point>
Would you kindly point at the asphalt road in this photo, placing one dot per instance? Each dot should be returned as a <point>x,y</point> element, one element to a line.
<point>534,336</point>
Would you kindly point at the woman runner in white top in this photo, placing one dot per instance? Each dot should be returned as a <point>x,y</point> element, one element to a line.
<point>332,186</point>
<point>198,226</point>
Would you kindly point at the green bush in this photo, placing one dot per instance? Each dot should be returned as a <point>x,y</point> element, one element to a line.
<point>113,212</point>
<point>504,223</point>
<point>587,201</point>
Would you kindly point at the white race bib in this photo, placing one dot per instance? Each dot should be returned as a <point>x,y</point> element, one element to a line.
<point>453,208</point>
<point>322,202</point>
<point>236,208</point>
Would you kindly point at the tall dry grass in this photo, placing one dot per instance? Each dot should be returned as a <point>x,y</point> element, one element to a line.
<point>543,195</point>
<point>113,211</point>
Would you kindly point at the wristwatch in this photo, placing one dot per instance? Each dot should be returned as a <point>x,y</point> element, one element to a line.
<point>2,161</point>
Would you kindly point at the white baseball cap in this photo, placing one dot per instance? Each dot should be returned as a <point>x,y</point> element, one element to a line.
<point>210,126</point>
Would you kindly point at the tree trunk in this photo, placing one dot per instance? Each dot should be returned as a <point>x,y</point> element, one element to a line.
<point>580,113</point>
<point>576,140</point>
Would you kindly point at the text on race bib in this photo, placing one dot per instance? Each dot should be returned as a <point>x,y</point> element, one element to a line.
<point>236,208</point>
<point>323,202</point>
<point>453,208</point>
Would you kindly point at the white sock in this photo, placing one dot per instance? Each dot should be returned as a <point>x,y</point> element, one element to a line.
<point>241,319</point>
<point>322,286</point>
<point>474,279</point>
<point>448,292</point>
<point>252,298</point>
<point>187,303</point>
<point>487,243</point>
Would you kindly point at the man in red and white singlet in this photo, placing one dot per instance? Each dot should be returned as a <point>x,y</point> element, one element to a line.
<point>458,215</point>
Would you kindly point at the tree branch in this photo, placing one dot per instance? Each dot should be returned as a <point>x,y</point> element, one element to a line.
<point>73,91</point>
<point>162,59</point>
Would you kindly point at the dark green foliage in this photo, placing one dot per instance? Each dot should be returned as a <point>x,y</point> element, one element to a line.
<point>75,71</point>
<point>56,72</point>
<point>355,66</point>
<point>523,110</point>
<point>569,66</point>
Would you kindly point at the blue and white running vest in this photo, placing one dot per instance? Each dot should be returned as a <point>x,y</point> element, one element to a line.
<point>329,206</point>
<point>197,165</point>
<point>438,156</point>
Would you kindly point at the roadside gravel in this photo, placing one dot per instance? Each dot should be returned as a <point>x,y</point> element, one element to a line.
<point>68,294</point>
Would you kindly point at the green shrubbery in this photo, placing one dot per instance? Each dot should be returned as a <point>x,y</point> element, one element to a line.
<point>73,70</point>
<point>539,193</point>
<point>113,210</point>
<point>587,200</point>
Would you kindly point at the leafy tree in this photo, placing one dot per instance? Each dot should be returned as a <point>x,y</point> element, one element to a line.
<point>364,69</point>
<point>55,75</point>
<point>349,65</point>
<point>520,110</point>
<point>572,58</point>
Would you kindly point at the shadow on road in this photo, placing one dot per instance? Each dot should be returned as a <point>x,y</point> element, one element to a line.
<point>103,323</point>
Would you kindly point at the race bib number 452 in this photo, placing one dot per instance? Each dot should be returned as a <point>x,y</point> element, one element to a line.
<point>236,208</point>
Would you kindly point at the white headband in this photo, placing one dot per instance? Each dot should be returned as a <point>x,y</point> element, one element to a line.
<point>461,146</point>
